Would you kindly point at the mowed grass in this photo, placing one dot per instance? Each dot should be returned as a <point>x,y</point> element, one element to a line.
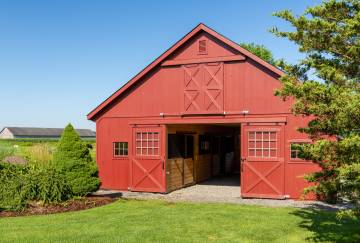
<point>158,221</point>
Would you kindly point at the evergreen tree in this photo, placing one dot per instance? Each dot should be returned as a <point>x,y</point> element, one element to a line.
<point>260,51</point>
<point>326,88</point>
<point>72,157</point>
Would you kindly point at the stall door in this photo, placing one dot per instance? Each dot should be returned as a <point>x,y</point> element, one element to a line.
<point>180,162</point>
<point>189,160</point>
<point>148,163</point>
<point>262,161</point>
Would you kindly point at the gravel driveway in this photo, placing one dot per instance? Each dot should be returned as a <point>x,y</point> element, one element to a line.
<point>219,190</point>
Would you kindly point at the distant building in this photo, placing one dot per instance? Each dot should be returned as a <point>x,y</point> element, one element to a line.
<point>37,132</point>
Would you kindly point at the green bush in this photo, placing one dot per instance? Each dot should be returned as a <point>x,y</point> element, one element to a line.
<point>20,184</point>
<point>47,185</point>
<point>12,186</point>
<point>72,157</point>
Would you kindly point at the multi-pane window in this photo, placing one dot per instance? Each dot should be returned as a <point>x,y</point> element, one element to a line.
<point>294,150</point>
<point>262,144</point>
<point>120,149</point>
<point>147,143</point>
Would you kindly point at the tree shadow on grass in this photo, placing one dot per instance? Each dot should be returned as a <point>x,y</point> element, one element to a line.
<point>326,227</point>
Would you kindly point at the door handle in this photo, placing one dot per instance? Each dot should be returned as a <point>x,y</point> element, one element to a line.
<point>243,159</point>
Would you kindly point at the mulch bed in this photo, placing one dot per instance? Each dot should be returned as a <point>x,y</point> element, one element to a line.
<point>71,205</point>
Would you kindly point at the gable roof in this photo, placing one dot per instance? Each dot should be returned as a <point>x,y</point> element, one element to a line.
<point>201,27</point>
<point>45,132</point>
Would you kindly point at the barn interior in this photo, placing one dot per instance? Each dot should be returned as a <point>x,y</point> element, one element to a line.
<point>206,154</point>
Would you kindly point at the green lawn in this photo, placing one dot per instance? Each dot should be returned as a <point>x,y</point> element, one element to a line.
<point>157,221</point>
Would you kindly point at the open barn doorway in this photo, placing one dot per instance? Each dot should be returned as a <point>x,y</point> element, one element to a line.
<point>207,155</point>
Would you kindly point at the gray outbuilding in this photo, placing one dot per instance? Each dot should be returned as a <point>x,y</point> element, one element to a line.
<point>38,133</point>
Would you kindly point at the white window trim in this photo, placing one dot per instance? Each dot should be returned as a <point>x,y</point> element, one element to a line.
<point>150,150</point>
<point>269,140</point>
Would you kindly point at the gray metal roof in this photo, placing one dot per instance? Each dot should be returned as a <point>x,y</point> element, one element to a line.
<point>46,132</point>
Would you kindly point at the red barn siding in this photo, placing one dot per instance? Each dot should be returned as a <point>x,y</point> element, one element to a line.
<point>246,87</point>
<point>296,169</point>
<point>113,172</point>
<point>151,96</point>
<point>251,87</point>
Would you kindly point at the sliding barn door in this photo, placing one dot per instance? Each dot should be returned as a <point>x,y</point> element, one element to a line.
<point>262,161</point>
<point>148,159</point>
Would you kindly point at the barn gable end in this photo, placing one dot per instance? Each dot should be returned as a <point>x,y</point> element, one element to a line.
<point>201,45</point>
<point>6,134</point>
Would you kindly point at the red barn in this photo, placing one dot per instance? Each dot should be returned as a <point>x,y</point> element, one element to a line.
<point>204,108</point>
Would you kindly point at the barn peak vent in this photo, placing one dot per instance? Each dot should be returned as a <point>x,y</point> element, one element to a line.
<point>202,47</point>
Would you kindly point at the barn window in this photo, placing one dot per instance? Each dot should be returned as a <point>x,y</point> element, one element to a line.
<point>202,47</point>
<point>262,144</point>
<point>147,143</point>
<point>120,149</point>
<point>294,150</point>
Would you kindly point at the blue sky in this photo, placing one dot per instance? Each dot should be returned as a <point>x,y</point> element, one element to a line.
<point>60,59</point>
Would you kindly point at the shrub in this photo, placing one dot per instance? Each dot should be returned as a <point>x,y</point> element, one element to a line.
<point>20,184</point>
<point>73,158</point>
<point>47,185</point>
<point>12,186</point>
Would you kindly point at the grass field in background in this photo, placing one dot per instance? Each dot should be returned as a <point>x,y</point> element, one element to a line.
<point>33,150</point>
<point>157,221</point>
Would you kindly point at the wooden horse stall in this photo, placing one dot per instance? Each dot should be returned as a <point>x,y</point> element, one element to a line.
<point>179,173</point>
<point>203,167</point>
<point>189,177</point>
<point>180,158</point>
<point>189,158</point>
<point>174,174</point>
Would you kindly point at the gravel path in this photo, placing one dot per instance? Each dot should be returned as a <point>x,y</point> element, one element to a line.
<point>219,191</point>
